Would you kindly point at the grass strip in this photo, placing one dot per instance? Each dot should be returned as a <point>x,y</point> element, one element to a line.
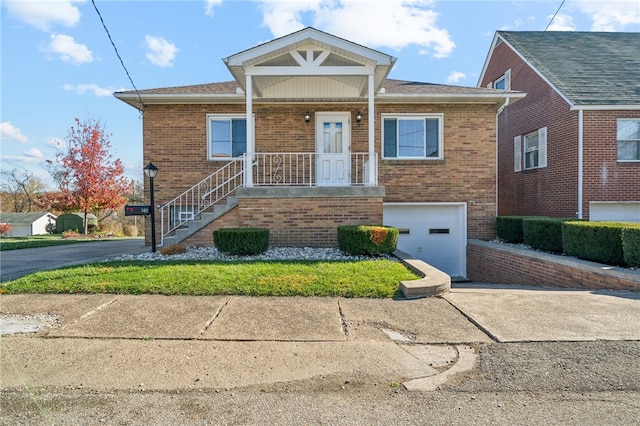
<point>377,278</point>
<point>17,243</point>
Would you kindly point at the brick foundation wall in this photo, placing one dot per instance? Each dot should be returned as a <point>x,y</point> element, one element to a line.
<point>295,221</point>
<point>501,264</point>
<point>308,222</point>
<point>204,238</point>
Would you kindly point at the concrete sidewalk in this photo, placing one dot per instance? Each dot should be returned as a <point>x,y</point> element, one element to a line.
<point>225,342</point>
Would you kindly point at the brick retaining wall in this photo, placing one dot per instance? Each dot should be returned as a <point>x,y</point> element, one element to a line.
<point>502,264</point>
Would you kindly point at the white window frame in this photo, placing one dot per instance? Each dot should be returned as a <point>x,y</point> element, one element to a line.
<point>409,116</point>
<point>520,150</point>
<point>635,160</point>
<point>221,117</point>
<point>506,77</point>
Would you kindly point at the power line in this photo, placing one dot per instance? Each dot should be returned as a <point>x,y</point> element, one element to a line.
<point>118,54</point>
<point>526,60</point>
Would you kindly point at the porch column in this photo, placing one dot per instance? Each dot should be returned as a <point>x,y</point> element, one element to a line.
<point>248,164</point>
<point>373,165</point>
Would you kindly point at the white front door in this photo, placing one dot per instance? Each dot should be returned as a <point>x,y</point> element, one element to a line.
<point>333,166</point>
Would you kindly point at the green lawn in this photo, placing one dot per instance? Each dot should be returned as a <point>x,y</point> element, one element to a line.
<point>34,241</point>
<point>370,278</point>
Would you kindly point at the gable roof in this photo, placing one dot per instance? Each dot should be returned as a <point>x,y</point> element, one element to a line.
<point>23,218</point>
<point>292,65</point>
<point>589,69</point>
<point>312,66</point>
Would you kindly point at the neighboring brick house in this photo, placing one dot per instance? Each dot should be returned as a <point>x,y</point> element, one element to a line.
<point>571,148</point>
<point>332,141</point>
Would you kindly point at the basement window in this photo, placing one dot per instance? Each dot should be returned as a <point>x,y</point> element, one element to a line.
<point>439,231</point>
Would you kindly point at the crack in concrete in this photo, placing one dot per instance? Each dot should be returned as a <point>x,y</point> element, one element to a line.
<point>215,315</point>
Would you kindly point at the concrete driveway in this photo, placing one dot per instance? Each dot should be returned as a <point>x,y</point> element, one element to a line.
<point>17,263</point>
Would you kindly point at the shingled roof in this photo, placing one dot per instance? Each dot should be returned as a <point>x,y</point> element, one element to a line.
<point>589,68</point>
<point>392,90</point>
<point>22,218</point>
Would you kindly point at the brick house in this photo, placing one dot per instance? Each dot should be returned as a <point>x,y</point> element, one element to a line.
<point>330,141</point>
<point>571,148</point>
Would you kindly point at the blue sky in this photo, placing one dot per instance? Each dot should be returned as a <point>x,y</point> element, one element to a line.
<point>57,62</point>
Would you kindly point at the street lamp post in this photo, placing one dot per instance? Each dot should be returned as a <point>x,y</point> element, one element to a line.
<point>151,171</point>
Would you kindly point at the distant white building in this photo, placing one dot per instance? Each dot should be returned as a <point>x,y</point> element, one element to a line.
<point>25,224</point>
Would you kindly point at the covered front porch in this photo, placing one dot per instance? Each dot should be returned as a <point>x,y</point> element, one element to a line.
<point>302,145</point>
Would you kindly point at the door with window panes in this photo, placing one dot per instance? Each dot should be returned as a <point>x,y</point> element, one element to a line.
<point>333,166</point>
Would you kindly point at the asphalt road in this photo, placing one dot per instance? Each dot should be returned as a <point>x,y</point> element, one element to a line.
<point>17,263</point>
<point>535,383</point>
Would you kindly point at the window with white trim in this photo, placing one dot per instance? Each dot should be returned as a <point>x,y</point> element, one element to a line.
<point>501,83</point>
<point>226,136</point>
<point>628,139</point>
<point>412,136</point>
<point>530,150</point>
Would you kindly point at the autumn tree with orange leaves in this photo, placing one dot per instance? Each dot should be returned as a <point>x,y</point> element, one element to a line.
<point>88,177</point>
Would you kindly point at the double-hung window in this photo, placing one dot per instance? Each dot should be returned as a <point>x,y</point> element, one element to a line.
<point>227,136</point>
<point>412,136</point>
<point>628,139</point>
<point>530,150</point>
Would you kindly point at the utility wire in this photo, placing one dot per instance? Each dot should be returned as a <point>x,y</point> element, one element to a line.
<point>118,55</point>
<point>526,60</point>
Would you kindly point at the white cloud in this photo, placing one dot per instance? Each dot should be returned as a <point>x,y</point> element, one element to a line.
<point>391,23</point>
<point>160,52</point>
<point>43,14</point>
<point>68,50</point>
<point>34,153</point>
<point>32,156</point>
<point>612,15</point>
<point>81,89</point>
<point>561,22</point>
<point>9,131</point>
<point>210,5</point>
<point>456,76</point>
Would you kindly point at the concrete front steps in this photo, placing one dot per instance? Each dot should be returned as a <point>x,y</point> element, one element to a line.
<point>205,218</point>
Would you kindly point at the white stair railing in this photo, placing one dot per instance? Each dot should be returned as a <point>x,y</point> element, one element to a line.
<point>200,197</point>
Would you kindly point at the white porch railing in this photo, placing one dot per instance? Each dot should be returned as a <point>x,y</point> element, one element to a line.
<point>314,169</point>
<point>202,196</point>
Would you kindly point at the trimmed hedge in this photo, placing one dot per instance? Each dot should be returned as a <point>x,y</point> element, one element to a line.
<point>631,245</point>
<point>543,233</point>
<point>509,228</point>
<point>596,241</point>
<point>241,241</point>
<point>367,239</point>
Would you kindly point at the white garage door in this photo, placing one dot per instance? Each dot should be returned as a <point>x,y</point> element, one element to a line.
<point>615,212</point>
<point>435,233</point>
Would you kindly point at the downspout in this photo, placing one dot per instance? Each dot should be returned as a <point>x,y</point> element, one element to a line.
<point>504,105</point>
<point>580,164</point>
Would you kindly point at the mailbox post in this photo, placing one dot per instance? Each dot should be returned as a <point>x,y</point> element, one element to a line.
<point>151,171</point>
